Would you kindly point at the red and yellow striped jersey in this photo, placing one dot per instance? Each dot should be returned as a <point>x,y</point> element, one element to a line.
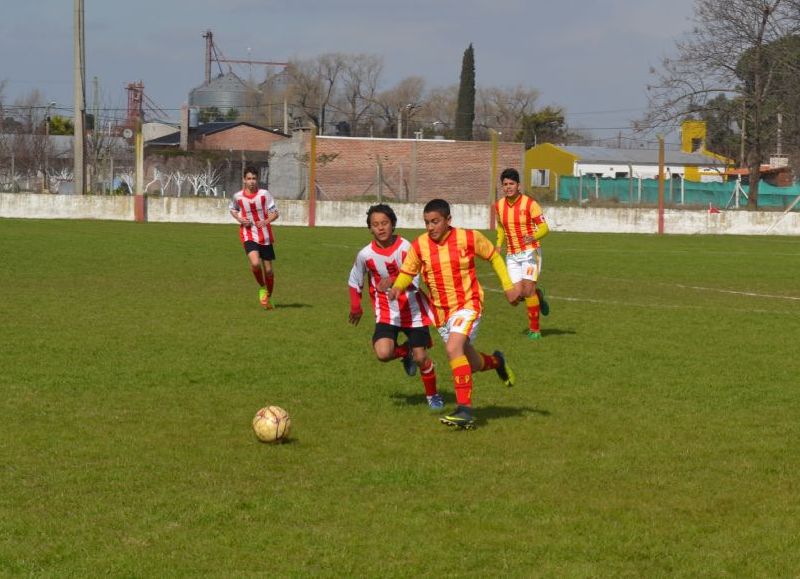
<point>448,268</point>
<point>518,219</point>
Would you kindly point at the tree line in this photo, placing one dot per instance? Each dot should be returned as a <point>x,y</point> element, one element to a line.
<point>737,69</point>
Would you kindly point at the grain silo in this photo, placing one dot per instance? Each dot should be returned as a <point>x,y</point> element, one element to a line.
<point>225,92</point>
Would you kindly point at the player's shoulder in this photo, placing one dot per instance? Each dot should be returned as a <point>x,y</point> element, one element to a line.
<point>365,251</point>
<point>532,200</point>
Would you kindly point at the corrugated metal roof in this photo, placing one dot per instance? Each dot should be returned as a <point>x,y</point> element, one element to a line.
<point>638,156</point>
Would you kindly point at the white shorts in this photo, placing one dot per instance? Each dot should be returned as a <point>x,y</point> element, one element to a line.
<point>464,322</point>
<point>524,265</point>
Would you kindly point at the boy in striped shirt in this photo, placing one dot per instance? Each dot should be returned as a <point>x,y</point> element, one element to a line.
<point>445,256</point>
<point>254,209</point>
<point>410,313</point>
<point>521,224</point>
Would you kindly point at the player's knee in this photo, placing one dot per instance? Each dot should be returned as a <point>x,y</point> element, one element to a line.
<point>454,351</point>
<point>419,355</point>
<point>384,355</point>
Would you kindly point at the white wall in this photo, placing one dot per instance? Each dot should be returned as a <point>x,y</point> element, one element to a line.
<point>353,214</point>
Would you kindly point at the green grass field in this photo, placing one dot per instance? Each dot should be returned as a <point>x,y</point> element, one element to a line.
<point>654,430</point>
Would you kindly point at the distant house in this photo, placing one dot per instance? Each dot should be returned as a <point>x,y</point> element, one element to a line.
<point>222,136</point>
<point>545,163</point>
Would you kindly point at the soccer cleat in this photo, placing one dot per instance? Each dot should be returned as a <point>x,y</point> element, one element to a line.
<point>409,365</point>
<point>534,335</point>
<point>503,370</point>
<point>461,418</point>
<point>436,402</point>
<point>263,299</point>
<point>544,307</point>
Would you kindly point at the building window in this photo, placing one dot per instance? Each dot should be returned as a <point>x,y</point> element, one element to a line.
<point>540,177</point>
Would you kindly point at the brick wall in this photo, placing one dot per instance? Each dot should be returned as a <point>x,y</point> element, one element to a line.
<point>411,170</point>
<point>396,169</point>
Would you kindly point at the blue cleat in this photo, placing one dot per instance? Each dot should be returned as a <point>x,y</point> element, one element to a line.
<point>409,365</point>
<point>436,402</point>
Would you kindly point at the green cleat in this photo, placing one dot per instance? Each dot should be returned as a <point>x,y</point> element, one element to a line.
<point>544,307</point>
<point>461,418</point>
<point>504,371</point>
<point>534,335</point>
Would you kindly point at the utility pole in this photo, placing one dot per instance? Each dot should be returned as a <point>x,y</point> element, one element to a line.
<point>79,66</point>
<point>660,184</point>
<point>46,188</point>
<point>400,123</point>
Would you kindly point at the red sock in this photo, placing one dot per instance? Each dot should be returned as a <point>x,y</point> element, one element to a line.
<point>488,362</point>
<point>270,282</point>
<point>532,304</point>
<point>462,379</point>
<point>258,274</point>
<point>401,351</point>
<point>428,375</point>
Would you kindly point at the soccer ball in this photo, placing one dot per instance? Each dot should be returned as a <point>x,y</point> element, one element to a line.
<point>272,424</point>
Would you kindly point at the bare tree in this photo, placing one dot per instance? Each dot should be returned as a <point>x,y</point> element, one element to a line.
<point>313,83</point>
<point>726,52</point>
<point>360,76</point>
<point>440,108</point>
<point>502,110</point>
<point>404,98</point>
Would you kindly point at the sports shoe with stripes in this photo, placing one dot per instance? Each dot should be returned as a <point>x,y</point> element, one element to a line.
<point>461,418</point>
<point>436,402</point>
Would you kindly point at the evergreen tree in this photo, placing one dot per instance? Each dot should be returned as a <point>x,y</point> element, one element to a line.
<point>465,106</point>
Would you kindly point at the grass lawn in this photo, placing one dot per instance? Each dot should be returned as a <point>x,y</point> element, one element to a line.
<point>654,430</point>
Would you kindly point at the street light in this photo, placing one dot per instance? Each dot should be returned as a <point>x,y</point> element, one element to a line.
<point>407,108</point>
<point>47,144</point>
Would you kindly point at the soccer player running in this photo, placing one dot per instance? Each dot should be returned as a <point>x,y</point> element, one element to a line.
<point>521,223</point>
<point>445,256</point>
<point>255,210</point>
<point>410,313</point>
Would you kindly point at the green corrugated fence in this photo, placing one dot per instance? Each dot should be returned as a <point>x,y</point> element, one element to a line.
<point>676,192</point>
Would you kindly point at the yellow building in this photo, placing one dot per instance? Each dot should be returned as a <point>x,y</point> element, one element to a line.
<point>546,163</point>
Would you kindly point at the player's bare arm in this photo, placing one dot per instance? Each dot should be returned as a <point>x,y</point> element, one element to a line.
<point>386,283</point>
<point>238,217</point>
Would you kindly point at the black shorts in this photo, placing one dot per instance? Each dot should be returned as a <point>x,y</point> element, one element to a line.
<point>417,337</point>
<point>264,251</point>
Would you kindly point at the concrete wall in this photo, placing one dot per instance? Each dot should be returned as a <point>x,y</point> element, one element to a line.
<point>353,214</point>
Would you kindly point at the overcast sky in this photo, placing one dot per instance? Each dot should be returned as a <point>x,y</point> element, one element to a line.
<point>591,57</point>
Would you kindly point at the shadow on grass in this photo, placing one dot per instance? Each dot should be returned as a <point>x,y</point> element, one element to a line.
<point>483,414</point>
<point>557,332</point>
<point>287,306</point>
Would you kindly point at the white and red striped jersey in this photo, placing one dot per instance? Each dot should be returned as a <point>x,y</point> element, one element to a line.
<point>411,309</point>
<point>254,207</point>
